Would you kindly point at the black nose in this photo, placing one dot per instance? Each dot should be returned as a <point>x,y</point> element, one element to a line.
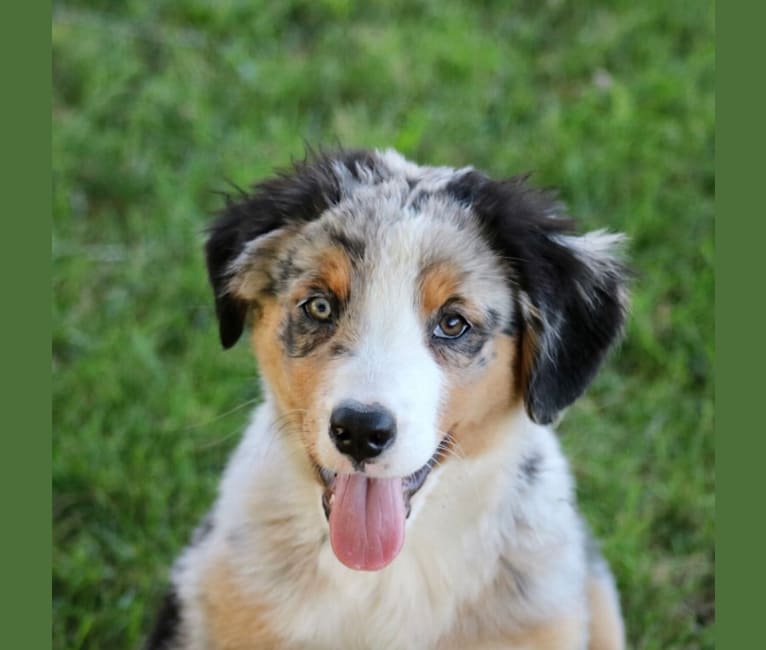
<point>362,431</point>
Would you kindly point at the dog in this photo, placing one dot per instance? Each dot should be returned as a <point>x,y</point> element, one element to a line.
<point>418,330</point>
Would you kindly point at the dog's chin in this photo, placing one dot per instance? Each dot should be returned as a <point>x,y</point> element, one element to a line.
<point>367,515</point>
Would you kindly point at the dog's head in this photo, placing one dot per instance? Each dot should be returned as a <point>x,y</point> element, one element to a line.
<point>399,311</point>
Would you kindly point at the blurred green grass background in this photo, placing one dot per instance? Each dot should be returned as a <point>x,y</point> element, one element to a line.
<point>157,104</point>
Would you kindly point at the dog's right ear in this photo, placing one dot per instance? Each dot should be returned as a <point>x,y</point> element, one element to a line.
<point>250,224</point>
<point>570,290</point>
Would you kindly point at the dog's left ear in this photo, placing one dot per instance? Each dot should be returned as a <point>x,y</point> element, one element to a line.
<point>570,289</point>
<point>225,242</point>
<point>252,221</point>
<point>248,227</point>
<point>252,224</point>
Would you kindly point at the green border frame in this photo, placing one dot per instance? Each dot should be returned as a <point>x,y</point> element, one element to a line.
<point>740,443</point>
<point>25,442</point>
<point>25,447</point>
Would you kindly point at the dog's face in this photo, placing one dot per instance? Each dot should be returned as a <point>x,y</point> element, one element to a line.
<point>398,311</point>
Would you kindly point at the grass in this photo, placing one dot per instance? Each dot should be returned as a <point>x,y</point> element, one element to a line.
<point>157,104</point>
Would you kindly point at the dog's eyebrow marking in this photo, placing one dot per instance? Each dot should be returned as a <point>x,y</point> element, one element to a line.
<point>439,282</point>
<point>335,271</point>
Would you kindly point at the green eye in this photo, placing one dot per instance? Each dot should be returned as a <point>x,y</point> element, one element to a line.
<point>451,326</point>
<point>318,308</point>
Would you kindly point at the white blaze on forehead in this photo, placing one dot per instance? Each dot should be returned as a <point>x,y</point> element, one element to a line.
<point>391,363</point>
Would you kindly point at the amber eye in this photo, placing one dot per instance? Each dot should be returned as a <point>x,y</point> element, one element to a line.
<point>318,308</point>
<point>451,326</point>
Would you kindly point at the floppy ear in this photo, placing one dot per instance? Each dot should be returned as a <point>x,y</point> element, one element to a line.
<point>581,305</point>
<point>292,197</point>
<point>571,293</point>
<point>224,244</point>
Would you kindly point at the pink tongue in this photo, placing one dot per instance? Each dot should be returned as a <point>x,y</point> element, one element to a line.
<point>367,521</point>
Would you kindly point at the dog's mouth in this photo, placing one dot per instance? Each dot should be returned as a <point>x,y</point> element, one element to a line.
<point>367,515</point>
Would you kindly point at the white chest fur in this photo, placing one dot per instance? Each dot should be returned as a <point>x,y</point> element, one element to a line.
<point>483,550</point>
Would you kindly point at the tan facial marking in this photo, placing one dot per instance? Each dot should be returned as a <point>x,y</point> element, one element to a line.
<point>295,382</point>
<point>236,621</point>
<point>472,406</point>
<point>527,344</point>
<point>439,283</point>
<point>335,272</point>
<point>267,348</point>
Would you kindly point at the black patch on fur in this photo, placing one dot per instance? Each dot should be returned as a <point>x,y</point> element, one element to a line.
<point>285,271</point>
<point>356,160</point>
<point>416,202</point>
<point>164,634</point>
<point>353,246</point>
<point>295,196</point>
<point>580,308</point>
<point>530,467</point>
<point>493,319</point>
<point>300,335</point>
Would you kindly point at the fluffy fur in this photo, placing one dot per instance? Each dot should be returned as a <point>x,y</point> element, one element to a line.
<point>495,553</point>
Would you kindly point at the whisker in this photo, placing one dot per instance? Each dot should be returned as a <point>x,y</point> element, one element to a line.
<point>205,423</point>
<point>450,447</point>
<point>219,440</point>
